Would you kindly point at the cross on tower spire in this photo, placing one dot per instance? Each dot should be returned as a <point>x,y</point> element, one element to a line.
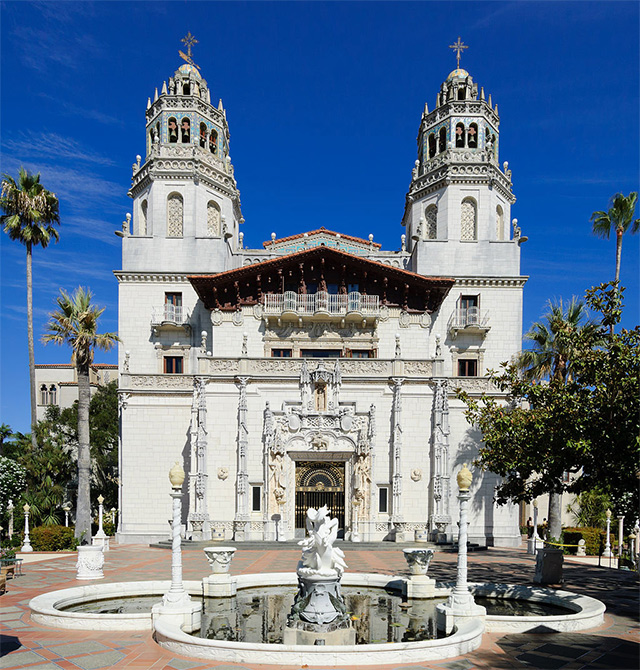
<point>458,47</point>
<point>189,40</point>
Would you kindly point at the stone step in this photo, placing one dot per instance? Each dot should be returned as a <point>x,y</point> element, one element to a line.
<point>293,544</point>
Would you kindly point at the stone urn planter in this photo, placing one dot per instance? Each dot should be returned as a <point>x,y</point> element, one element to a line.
<point>90,562</point>
<point>418,560</point>
<point>219,559</point>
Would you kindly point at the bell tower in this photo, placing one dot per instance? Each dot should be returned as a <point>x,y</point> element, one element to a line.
<point>458,206</point>
<point>186,203</point>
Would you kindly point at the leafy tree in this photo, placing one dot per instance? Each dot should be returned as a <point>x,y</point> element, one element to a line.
<point>589,508</point>
<point>551,357</point>
<point>103,437</point>
<point>29,214</point>
<point>75,323</point>
<point>13,481</point>
<point>618,218</point>
<point>587,425</point>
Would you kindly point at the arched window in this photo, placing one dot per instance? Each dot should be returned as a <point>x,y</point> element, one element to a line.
<point>462,93</point>
<point>185,128</point>
<point>172,127</point>
<point>143,217</point>
<point>213,142</point>
<point>53,395</point>
<point>431,222</point>
<point>175,212</point>
<point>186,88</point>
<point>442,140</point>
<point>472,136</point>
<point>213,219</point>
<point>460,135</point>
<point>203,135</point>
<point>499,223</point>
<point>468,219</point>
<point>432,145</point>
<point>44,395</point>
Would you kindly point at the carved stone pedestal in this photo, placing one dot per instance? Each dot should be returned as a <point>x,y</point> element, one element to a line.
<point>90,562</point>
<point>219,586</point>
<point>548,566</point>
<point>312,634</point>
<point>420,586</point>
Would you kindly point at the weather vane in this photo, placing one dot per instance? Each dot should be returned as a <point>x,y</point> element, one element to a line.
<point>458,47</point>
<point>189,41</point>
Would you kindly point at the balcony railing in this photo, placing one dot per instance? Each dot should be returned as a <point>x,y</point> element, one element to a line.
<point>321,302</point>
<point>470,319</point>
<point>169,315</point>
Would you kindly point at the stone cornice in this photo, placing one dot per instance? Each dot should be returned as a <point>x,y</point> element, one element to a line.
<point>155,277</point>
<point>458,108</point>
<point>506,282</point>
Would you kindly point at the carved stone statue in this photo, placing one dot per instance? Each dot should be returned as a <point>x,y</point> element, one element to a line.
<point>319,556</point>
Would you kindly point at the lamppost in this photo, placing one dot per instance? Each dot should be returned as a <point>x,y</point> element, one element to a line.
<point>620,534</point>
<point>100,538</point>
<point>535,538</point>
<point>66,508</point>
<point>460,605</point>
<point>176,603</point>
<point>26,546</point>
<point>607,545</point>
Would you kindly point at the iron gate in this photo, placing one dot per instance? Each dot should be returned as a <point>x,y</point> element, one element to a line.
<point>318,484</point>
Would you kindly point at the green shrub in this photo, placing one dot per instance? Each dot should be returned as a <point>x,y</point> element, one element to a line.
<point>53,538</point>
<point>109,528</point>
<point>594,539</point>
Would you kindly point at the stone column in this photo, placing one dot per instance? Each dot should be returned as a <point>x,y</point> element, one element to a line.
<point>176,604</point>
<point>10,509</point>
<point>396,446</point>
<point>460,605</point>
<point>535,539</point>
<point>241,520</point>
<point>440,476</point>
<point>26,546</point>
<point>199,518</point>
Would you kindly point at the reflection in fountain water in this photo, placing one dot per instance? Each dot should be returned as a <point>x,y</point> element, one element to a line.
<point>260,615</point>
<point>518,607</point>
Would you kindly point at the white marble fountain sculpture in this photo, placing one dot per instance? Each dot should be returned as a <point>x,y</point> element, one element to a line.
<point>319,615</point>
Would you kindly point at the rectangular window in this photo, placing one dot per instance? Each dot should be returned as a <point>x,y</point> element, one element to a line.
<point>363,353</point>
<point>256,498</point>
<point>467,367</point>
<point>281,353</point>
<point>320,353</point>
<point>383,499</point>
<point>173,307</point>
<point>173,365</point>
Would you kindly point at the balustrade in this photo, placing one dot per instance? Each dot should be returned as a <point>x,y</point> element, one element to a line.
<point>312,303</point>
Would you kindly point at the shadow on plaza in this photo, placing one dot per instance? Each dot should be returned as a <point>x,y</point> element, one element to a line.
<point>8,643</point>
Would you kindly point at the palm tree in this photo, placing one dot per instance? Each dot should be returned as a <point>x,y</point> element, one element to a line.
<point>618,217</point>
<point>75,323</point>
<point>551,357</point>
<point>29,214</point>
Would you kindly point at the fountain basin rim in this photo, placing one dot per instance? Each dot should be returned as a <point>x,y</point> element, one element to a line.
<point>465,638</point>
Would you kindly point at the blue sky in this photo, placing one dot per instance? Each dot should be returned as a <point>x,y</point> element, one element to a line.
<point>323,101</point>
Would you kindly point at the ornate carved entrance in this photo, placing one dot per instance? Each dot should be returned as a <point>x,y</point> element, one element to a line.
<point>320,483</point>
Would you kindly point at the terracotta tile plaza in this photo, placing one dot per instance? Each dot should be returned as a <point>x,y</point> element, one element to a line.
<point>613,646</point>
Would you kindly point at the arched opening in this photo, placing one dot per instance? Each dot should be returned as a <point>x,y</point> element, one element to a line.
<point>172,128</point>
<point>213,219</point>
<point>432,145</point>
<point>44,395</point>
<point>431,222</point>
<point>321,397</point>
<point>186,88</point>
<point>53,395</point>
<point>468,219</point>
<point>203,135</point>
<point>143,217</point>
<point>493,144</point>
<point>472,136</point>
<point>499,223</point>
<point>185,127</point>
<point>460,135</point>
<point>442,140</point>
<point>175,215</point>
<point>462,93</point>
<point>213,142</point>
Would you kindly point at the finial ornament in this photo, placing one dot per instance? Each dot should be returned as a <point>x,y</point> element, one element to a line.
<point>464,478</point>
<point>189,40</point>
<point>458,47</point>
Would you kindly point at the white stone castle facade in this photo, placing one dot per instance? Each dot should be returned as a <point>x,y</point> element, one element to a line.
<point>320,368</point>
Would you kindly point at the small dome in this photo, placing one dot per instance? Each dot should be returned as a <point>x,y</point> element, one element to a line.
<point>190,69</point>
<point>458,73</point>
